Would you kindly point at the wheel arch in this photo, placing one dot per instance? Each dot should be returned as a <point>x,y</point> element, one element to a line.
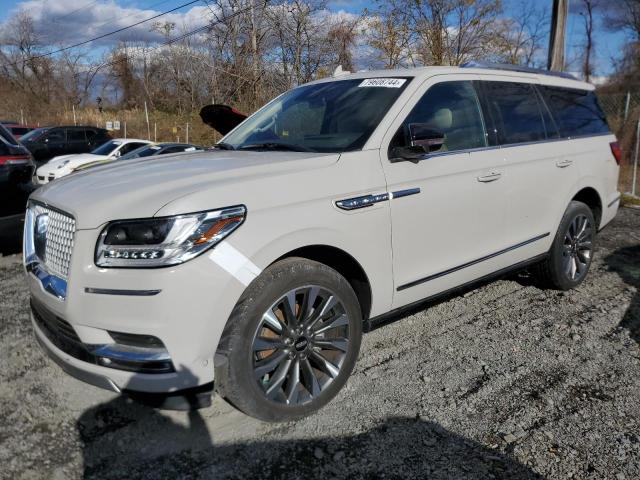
<point>345,264</point>
<point>590,197</point>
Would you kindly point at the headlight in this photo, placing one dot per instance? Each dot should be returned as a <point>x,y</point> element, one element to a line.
<point>160,242</point>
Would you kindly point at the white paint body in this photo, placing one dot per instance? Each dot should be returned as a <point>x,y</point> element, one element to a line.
<point>290,199</point>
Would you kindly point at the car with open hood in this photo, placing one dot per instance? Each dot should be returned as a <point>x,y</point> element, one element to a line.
<point>253,269</point>
<point>63,165</point>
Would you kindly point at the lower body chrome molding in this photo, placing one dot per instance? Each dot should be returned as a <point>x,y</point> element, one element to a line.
<point>472,262</point>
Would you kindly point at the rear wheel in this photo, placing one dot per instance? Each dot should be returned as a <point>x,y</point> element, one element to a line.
<point>291,342</point>
<point>572,249</point>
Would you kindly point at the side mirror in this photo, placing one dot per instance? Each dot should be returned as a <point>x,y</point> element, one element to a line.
<point>45,140</point>
<point>421,134</point>
<point>117,154</point>
<point>423,141</point>
<point>407,154</point>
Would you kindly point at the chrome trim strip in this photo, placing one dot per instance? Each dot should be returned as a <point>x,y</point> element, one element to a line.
<point>405,193</point>
<point>362,201</point>
<point>128,353</point>
<point>469,264</point>
<point>56,286</point>
<point>112,291</point>
<point>616,200</point>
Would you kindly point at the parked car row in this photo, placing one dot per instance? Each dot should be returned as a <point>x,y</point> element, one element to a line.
<point>48,142</point>
<point>48,153</point>
<point>17,129</point>
<point>16,169</point>
<point>117,149</point>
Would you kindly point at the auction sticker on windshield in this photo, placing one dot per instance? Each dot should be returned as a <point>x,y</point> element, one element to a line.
<point>383,82</point>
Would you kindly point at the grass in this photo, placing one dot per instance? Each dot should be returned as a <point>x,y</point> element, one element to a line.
<point>628,199</point>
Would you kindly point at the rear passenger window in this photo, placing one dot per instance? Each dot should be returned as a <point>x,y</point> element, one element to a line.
<point>75,135</point>
<point>516,112</point>
<point>55,136</point>
<point>449,110</point>
<point>576,112</point>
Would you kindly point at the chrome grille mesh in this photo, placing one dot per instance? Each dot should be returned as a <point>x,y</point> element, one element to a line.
<point>59,234</point>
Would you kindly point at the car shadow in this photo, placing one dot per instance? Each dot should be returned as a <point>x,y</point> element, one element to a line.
<point>625,262</point>
<point>124,439</point>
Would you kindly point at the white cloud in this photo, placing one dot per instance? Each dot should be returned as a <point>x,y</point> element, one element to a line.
<point>59,24</point>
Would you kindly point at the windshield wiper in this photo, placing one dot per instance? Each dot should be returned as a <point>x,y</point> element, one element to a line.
<point>224,146</point>
<point>276,146</point>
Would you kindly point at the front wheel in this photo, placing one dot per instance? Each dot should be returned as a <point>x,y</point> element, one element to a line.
<point>291,341</point>
<point>572,249</point>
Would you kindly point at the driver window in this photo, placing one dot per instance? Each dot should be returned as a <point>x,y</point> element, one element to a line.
<point>449,115</point>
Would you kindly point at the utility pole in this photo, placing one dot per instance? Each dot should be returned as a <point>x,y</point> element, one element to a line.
<point>558,33</point>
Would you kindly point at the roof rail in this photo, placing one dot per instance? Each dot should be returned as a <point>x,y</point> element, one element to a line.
<point>515,68</point>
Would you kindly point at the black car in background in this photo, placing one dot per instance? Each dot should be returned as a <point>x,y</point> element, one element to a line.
<point>16,170</point>
<point>48,142</point>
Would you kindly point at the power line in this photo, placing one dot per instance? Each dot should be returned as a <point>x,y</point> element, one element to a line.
<point>177,39</point>
<point>57,19</point>
<point>112,20</point>
<point>34,57</point>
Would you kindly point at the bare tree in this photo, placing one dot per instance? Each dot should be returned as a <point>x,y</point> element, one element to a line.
<point>519,39</point>
<point>389,33</point>
<point>587,16</point>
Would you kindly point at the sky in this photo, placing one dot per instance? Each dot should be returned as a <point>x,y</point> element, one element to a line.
<point>65,22</point>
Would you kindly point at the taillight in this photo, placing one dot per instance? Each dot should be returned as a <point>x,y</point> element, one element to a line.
<point>617,151</point>
<point>14,159</point>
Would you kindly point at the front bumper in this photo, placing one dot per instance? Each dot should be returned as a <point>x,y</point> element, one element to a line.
<point>187,313</point>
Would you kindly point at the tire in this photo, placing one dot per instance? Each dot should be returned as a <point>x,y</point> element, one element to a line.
<point>572,250</point>
<point>271,360</point>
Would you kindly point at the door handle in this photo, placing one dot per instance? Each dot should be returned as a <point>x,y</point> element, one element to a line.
<point>490,177</point>
<point>563,163</point>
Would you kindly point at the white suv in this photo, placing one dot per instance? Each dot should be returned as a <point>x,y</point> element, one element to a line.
<point>340,201</point>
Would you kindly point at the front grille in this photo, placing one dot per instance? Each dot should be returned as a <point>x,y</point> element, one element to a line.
<point>57,247</point>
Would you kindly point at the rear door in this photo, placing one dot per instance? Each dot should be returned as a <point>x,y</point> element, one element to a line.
<point>537,177</point>
<point>77,141</point>
<point>447,209</point>
<point>55,142</point>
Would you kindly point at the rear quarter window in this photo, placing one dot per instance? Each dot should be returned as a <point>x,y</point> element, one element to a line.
<point>576,112</point>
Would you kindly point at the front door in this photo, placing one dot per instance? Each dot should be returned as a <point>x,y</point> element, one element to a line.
<point>448,208</point>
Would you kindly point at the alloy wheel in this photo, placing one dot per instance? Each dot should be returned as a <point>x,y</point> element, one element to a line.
<point>577,248</point>
<point>300,345</point>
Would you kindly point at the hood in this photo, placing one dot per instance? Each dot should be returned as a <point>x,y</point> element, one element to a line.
<point>73,161</point>
<point>141,188</point>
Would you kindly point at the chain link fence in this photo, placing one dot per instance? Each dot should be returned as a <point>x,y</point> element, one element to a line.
<point>623,114</point>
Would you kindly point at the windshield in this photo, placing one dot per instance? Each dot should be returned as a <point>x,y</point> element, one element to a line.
<point>326,117</point>
<point>33,134</point>
<point>107,148</point>
<point>145,151</point>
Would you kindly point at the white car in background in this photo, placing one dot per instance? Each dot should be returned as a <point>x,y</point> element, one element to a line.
<point>65,164</point>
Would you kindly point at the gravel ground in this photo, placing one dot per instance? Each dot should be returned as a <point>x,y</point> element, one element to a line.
<point>505,381</point>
